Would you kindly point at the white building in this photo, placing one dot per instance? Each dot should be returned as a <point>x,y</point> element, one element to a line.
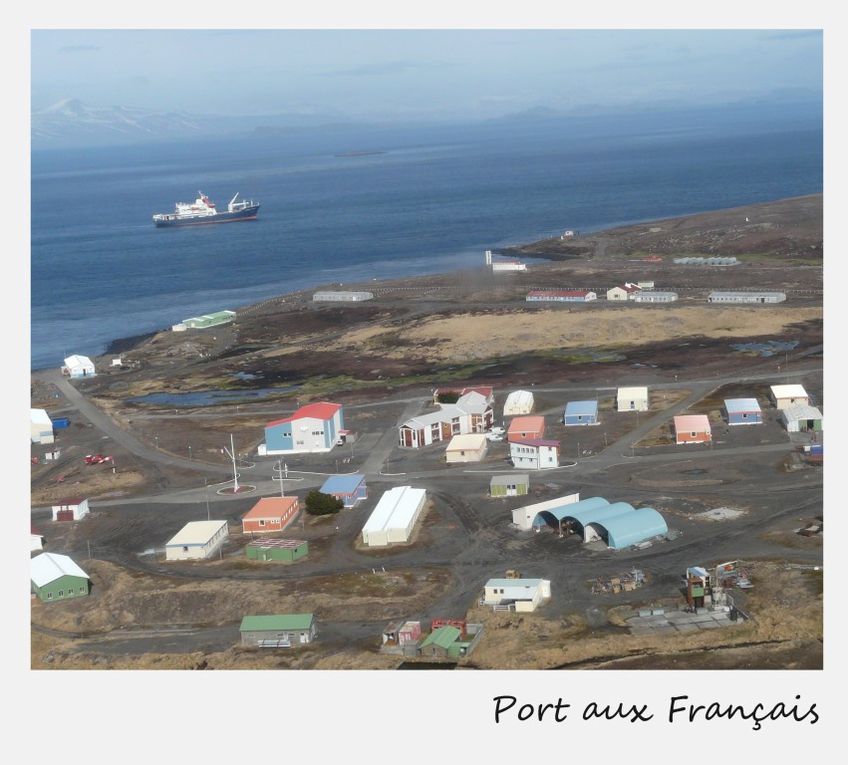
<point>331,296</point>
<point>40,427</point>
<point>518,402</point>
<point>196,540</point>
<point>746,297</point>
<point>314,427</point>
<point>787,395</point>
<point>645,285</point>
<point>655,297</point>
<point>632,399</point>
<point>472,413</point>
<point>78,366</point>
<point>523,516</point>
<point>534,453</point>
<point>800,417</point>
<point>626,291</point>
<point>36,541</point>
<point>470,447</point>
<point>523,595</point>
<point>392,520</point>
<point>70,510</point>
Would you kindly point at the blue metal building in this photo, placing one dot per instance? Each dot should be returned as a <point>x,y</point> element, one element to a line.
<point>743,411</point>
<point>348,488</point>
<point>581,413</point>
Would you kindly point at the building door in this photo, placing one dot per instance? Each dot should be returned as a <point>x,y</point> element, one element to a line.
<point>65,515</point>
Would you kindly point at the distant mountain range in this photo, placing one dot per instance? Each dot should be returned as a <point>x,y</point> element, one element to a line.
<point>73,123</point>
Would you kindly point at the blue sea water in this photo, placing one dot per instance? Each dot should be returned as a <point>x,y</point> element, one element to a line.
<point>432,200</point>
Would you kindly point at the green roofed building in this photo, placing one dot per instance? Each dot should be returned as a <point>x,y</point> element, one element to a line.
<point>440,641</point>
<point>207,320</point>
<point>278,630</point>
<point>286,550</point>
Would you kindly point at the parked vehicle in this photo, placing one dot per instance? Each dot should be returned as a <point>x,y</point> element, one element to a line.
<point>96,459</point>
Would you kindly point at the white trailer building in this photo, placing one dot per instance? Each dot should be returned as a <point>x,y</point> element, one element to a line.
<point>746,297</point>
<point>522,595</point>
<point>40,427</point>
<point>655,297</point>
<point>518,402</point>
<point>470,447</point>
<point>196,540</point>
<point>341,296</point>
<point>632,399</point>
<point>392,520</point>
<point>523,516</point>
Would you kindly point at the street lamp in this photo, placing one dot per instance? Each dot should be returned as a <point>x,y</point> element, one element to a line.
<point>156,439</point>
<point>189,452</point>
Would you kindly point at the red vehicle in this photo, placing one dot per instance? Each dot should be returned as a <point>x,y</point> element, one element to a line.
<point>96,459</point>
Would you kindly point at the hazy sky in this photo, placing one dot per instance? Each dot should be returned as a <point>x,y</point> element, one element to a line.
<point>416,73</point>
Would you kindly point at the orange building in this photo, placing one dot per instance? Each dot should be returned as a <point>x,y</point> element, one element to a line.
<point>522,428</point>
<point>692,429</point>
<point>270,514</point>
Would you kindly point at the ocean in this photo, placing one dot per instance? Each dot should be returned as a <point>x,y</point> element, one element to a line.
<point>354,204</point>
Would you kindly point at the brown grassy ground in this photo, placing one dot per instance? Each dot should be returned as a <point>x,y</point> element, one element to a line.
<point>480,335</point>
<point>123,598</point>
<point>88,481</point>
<point>786,606</point>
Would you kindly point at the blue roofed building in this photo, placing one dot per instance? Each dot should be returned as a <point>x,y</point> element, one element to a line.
<point>350,489</point>
<point>581,413</point>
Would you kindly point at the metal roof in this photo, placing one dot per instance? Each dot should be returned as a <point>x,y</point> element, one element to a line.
<point>285,544</point>
<point>48,567</point>
<point>466,441</point>
<point>444,637</point>
<point>527,424</point>
<point>789,391</point>
<point>527,583</point>
<point>801,411</point>
<point>576,510</point>
<point>752,295</point>
<point>639,390</point>
<point>535,442</point>
<point>342,484</point>
<point>196,533</point>
<point>276,622</point>
<point>321,410</point>
<point>78,361</point>
<point>40,417</point>
<point>508,480</point>
<point>395,509</point>
<point>581,408</point>
<point>270,507</point>
<point>698,423</point>
<point>631,528</point>
<point>519,398</point>
<point>739,405</point>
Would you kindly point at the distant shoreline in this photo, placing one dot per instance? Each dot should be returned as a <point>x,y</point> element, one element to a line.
<point>126,343</point>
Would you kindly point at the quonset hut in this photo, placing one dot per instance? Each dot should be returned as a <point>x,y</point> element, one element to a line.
<point>618,524</point>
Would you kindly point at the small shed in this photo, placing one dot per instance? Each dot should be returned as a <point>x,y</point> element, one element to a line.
<point>787,395</point>
<point>36,539</point>
<point>278,630</point>
<point>270,514</point>
<point>286,550</point>
<point>802,417</point>
<point>518,402</point>
<point>70,510</point>
<point>439,642</point>
<point>743,411</point>
<point>40,427</point>
<point>509,485</point>
<point>581,413</point>
<point>196,540</point>
<point>692,429</point>
<point>78,366</point>
<point>522,428</point>
<point>470,447</point>
<point>633,399</point>
<point>350,489</point>
<point>57,577</point>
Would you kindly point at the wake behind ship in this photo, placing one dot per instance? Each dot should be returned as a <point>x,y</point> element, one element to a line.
<point>203,211</point>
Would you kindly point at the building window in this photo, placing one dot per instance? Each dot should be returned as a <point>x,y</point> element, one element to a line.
<point>262,523</point>
<point>61,593</point>
<point>49,596</point>
<point>82,590</point>
<point>185,548</point>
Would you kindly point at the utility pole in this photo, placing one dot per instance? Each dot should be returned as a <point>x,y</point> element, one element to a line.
<point>231,453</point>
<point>206,493</point>
<point>189,452</point>
<point>280,476</point>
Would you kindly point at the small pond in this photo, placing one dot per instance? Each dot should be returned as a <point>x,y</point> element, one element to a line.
<point>208,397</point>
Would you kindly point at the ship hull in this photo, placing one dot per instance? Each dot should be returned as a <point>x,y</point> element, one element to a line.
<point>249,213</point>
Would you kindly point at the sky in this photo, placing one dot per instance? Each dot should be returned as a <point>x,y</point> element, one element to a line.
<point>417,74</point>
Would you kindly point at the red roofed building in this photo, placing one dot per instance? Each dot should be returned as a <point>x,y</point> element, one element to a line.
<point>312,428</point>
<point>486,391</point>
<point>270,514</point>
<point>692,429</point>
<point>532,426</point>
